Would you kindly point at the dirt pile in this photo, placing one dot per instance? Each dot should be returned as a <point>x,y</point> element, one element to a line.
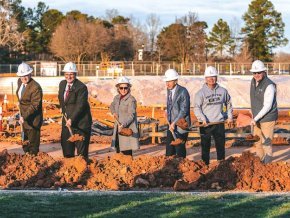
<point>120,172</point>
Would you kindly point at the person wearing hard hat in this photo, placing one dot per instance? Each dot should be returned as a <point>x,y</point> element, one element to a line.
<point>73,99</point>
<point>29,94</point>
<point>123,109</point>
<point>264,110</point>
<point>178,107</point>
<point>212,104</point>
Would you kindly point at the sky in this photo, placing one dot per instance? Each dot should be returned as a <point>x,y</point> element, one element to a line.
<point>168,10</point>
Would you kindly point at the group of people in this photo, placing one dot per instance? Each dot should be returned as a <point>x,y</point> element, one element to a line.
<point>212,108</point>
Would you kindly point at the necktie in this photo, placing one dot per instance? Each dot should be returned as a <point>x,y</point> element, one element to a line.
<point>67,92</point>
<point>169,106</point>
<point>23,89</point>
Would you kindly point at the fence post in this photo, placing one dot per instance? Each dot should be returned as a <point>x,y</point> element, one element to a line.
<point>34,66</point>
<point>133,73</point>
<point>231,70</point>
<point>279,68</point>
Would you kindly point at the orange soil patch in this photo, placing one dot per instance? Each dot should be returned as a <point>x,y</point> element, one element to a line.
<point>120,172</point>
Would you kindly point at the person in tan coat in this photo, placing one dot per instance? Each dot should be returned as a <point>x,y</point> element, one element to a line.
<point>123,108</point>
<point>29,94</point>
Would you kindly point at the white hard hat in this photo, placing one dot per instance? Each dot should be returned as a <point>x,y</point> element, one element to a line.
<point>70,67</point>
<point>170,75</point>
<point>210,71</point>
<point>258,66</point>
<point>123,79</point>
<point>24,69</point>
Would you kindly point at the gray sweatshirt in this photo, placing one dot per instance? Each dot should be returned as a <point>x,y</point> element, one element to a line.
<point>213,105</point>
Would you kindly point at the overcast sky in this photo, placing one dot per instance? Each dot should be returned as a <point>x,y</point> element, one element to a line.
<point>207,10</point>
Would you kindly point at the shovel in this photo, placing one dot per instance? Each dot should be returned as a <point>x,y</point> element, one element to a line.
<point>124,131</point>
<point>73,137</point>
<point>176,141</point>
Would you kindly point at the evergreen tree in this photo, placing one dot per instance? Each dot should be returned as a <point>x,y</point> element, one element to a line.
<point>264,29</point>
<point>219,39</point>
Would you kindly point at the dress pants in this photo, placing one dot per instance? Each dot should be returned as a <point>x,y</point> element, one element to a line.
<point>68,148</point>
<point>218,133</point>
<point>178,150</point>
<point>33,136</point>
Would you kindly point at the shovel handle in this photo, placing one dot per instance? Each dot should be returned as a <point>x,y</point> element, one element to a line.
<point>69,128</point>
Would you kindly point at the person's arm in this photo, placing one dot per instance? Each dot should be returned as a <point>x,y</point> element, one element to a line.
<point>197,108</point>
<point>229,106</point>
<point>36,100</point>
<point>132,105</point>
<point>184,106</point>
<point>268,102</point>
<point>81,103</point>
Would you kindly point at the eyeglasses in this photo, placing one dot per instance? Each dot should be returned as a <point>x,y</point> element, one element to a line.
<point>258,72</point>
<point>124,88</point>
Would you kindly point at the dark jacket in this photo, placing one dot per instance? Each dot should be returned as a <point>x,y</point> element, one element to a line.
<point>76,106</point>
<point>30,104</point>
<point>180,105</point>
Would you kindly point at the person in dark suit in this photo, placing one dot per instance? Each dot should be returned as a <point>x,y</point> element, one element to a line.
<point>178,107</point>
<point>73,99</point>
<point>29,94</point>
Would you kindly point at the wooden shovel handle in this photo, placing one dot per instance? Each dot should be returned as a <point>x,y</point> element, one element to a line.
<point>69,128</point>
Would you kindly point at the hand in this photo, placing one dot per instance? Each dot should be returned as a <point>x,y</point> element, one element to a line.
<point>21,120</point>
<point>230,123</point>
<point>68,123</point>
<point>172,126</point>
<point>120,127</point>
<point>204,123</point>
<point>253,122</point>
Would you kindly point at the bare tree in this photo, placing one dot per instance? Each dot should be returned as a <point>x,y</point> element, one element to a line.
<point>153,28</point>
<point>235,28</point>
<point>110,14</point>
<point>9,35</point>
<point>73,40</point>
<point>138,33</point>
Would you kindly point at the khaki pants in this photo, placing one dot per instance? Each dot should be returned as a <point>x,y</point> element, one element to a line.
<point>264,146</point>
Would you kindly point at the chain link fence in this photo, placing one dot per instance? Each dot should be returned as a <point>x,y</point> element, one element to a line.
<point>115,69</point>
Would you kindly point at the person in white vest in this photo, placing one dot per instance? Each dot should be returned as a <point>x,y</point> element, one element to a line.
<point>264,110</point>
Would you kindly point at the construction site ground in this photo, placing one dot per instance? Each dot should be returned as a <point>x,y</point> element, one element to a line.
<point>149,169</point>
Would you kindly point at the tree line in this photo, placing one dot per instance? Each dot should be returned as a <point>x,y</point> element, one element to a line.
<point>41,33</point>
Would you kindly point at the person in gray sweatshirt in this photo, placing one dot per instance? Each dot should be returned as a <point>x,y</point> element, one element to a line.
<point>212,103</point>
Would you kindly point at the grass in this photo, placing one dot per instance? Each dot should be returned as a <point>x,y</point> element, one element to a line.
<point>142,205</point>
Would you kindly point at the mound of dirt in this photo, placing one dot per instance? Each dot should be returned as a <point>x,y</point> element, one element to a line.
<point>120,172</point>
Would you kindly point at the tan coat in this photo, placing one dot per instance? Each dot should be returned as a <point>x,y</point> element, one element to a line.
<point>126,111</point>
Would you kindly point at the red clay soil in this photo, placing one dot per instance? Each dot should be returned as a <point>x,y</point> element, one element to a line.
<point>120,172</point>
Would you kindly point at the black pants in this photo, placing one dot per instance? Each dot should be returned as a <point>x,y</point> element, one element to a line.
<point>126,152</point>
<point>33,136</point>
<point>68,148</point>
<point>218,133</point>
<point>178,150</point>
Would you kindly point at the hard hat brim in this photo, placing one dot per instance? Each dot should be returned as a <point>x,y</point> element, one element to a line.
<point>258,70</point>
<point>170,79</point>
<point>24,74</point>
<point>69,71</point>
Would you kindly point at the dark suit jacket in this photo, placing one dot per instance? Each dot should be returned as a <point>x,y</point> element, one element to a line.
<point>76,106</point>
<point>31,104</point>
<point>180,105</point>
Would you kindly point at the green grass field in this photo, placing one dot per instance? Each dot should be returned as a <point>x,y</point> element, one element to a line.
<point>92,204</point>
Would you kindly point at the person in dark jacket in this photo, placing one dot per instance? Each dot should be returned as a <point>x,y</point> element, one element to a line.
<point>178,107</point>
<point>29,94</point>
<point>73,99</point>
<point>264,110</point>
